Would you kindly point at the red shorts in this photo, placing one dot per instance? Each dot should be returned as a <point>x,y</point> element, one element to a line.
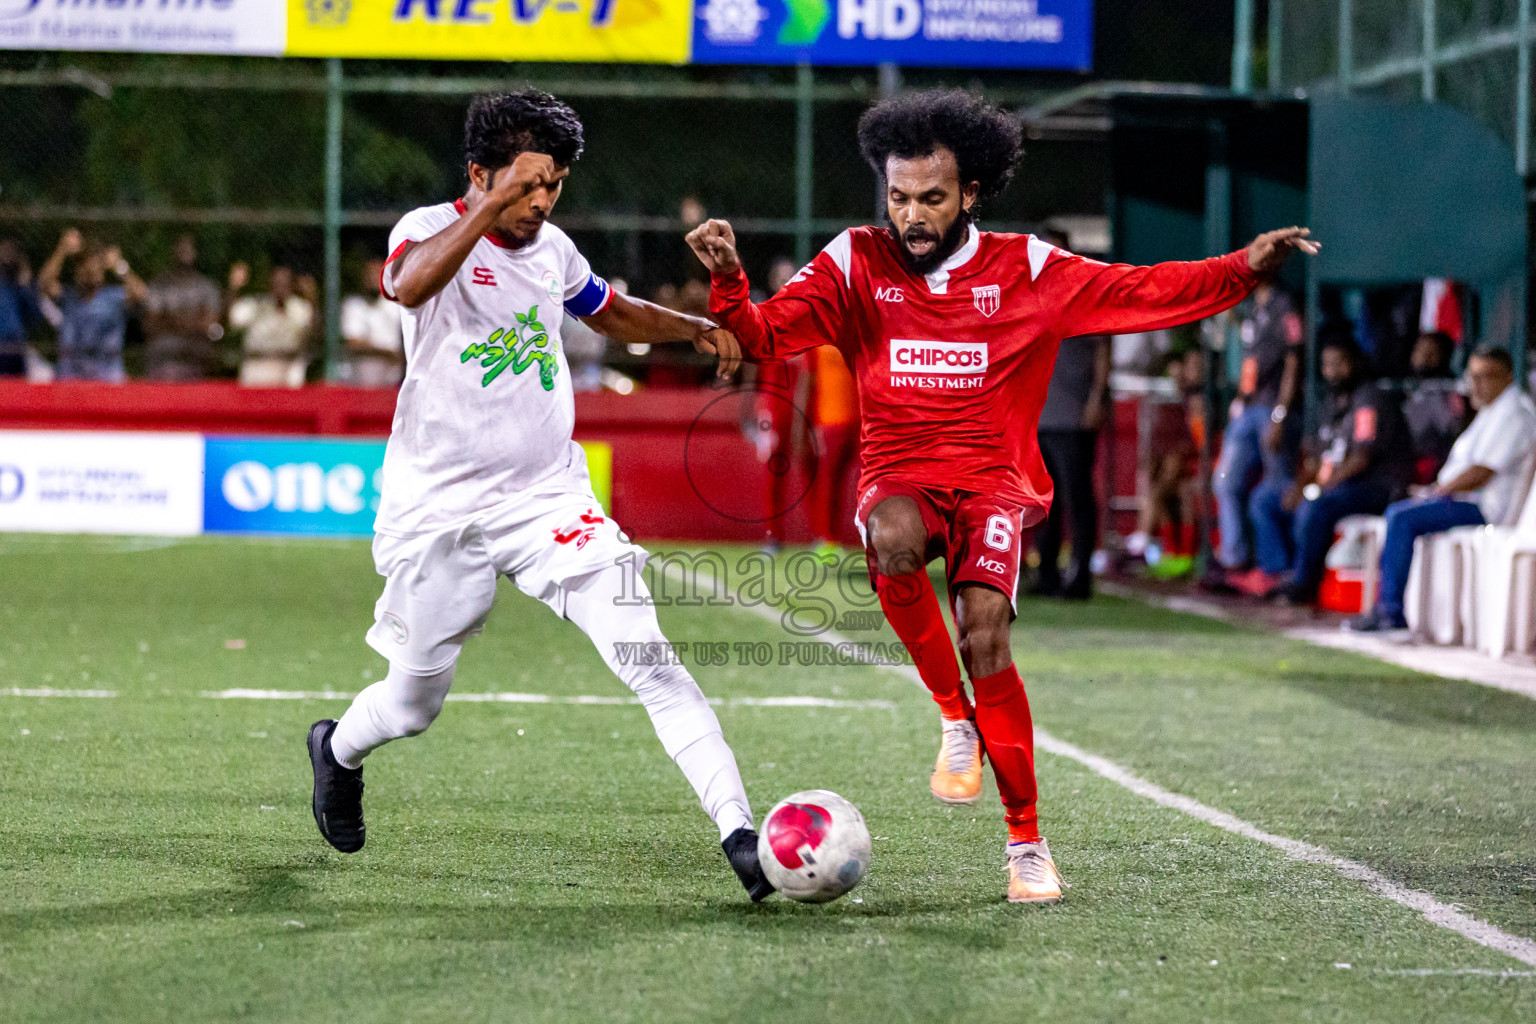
<point>978,535</point>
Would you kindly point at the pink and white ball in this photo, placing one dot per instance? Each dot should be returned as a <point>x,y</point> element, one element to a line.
<point>814,846</point>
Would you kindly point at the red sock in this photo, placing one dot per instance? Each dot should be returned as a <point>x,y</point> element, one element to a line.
<point>914,614</point>
<point>1008,732</point>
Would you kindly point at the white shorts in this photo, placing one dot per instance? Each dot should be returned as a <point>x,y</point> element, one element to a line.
<point>439,586</point>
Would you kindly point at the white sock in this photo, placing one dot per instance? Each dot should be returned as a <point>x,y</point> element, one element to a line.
<point>683,720</point>
<point>1136,543</point>
<point>400,704</point>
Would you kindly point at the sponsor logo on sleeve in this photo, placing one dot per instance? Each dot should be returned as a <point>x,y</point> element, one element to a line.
<point>938,364</point>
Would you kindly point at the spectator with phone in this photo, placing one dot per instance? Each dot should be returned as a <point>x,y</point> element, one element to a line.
<point>93,311</point>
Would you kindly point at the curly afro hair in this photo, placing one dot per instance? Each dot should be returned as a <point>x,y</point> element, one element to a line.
<point>499,126</point>
<point>987,141</point>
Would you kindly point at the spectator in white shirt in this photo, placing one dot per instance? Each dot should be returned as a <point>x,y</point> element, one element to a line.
<point>275,349</point>
<point>1478,484</point>
<point>370,326</point>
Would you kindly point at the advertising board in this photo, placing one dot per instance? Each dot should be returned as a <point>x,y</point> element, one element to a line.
<point>89,482</point>
<point>949,33</point>
<point>640,31</point>
<point>953,33</point>
<point>314,486</point>
<point>256,27</point>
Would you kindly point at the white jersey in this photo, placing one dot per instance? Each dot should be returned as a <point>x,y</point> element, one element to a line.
<point>486,409</point>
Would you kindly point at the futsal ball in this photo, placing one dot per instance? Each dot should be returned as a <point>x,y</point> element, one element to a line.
<point>814,846</point>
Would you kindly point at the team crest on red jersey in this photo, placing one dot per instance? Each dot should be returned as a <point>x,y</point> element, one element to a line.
<point>988,298</point>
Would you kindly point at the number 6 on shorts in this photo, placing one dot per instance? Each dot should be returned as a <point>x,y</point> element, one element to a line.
<point>999,535</point>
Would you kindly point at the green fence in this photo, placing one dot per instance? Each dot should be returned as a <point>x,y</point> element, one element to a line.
<point>309,162</point>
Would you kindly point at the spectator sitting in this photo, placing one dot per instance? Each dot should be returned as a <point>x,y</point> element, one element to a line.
<point>1477,484</point>
<point>1356,462</point>
<point>370,327</point>
<point>1435,410</point>
<point>182,309</point>
<point>277,327</point>
<point>1260,431</point>
<point>93,314</point>
<point>18,309</point>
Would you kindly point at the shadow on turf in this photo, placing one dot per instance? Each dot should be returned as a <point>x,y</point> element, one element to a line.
<point>282,893</point>
<point>1422,701</point>
<point>1114,615</point>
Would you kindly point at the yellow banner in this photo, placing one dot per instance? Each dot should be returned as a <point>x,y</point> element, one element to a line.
<point>630,31</point>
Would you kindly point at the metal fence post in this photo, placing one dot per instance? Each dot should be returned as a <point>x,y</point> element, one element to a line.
<point>1242,48</point>
<point>805,149</point>
<point>1273,48</point>
<point>333,95</point>
<point>1346,44</point>
<point>1523,92</point>
<point>888,77</point>
<point>1427,27</point>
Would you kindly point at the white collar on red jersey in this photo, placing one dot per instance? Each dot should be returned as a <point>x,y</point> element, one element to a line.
<point>938,280</point>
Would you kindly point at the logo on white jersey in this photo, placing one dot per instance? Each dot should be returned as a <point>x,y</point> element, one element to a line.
<point>988,298</point>
<point>889,295</point>
<point>527,344</point>
<point>483,276</point>
<point>552,285</point>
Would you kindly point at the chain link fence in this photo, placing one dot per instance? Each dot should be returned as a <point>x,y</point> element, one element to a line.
<point>137,150</point>
<point>1471,54</point>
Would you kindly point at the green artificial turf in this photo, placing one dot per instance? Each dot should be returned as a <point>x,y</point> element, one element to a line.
<point>534,862</point>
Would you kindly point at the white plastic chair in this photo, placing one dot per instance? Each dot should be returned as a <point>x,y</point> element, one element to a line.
<point>1447,600</point>
<point>1500,592</point>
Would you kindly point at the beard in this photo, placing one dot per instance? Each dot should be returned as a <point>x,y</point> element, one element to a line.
<point>952,239</point>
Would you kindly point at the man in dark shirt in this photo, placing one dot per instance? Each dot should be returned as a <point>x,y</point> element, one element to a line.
<point>1075,408</point>
<point>18,309</point>
<point>1255,440</point>
<point>181,320</point>
<point>1435,409</point>
<point>1356,463</point>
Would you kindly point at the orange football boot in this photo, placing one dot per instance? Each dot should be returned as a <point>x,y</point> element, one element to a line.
<point>1032,874</point>
<point>956,775</point>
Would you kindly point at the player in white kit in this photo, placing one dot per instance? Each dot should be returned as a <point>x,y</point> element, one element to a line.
<point>482,478</point>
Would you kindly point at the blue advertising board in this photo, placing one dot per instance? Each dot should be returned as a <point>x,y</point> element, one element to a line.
<point>855,33</point>
<point>303,485</point>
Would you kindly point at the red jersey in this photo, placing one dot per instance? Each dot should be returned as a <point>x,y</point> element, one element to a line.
<point>952,367</point>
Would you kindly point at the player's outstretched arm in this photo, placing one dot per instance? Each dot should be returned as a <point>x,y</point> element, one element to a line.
<point>807,312</point>
<point>632,320</point>
<point>1099,298</point>
<point>1268,253</point>
<point>424,268</point>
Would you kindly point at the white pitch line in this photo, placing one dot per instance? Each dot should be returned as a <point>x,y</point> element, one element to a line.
<point>547,698</point>
<point>1441,914</point>
<point>48,691</point>
<point>1426,972</point>
<point>243,694</point>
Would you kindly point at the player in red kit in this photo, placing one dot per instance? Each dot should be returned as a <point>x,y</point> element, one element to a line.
<point>951,334</point>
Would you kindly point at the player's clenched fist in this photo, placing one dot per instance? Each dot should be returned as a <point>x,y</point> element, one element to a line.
<point>529,171</point>
<point>1268,253</point>
<point>715,244</point>
<point>717,341</point>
